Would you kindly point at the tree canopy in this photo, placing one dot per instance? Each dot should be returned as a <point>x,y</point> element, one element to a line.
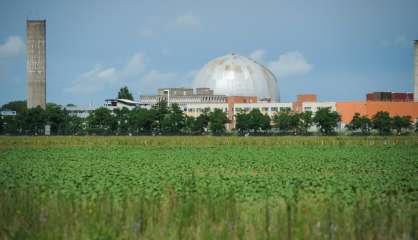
<point>124,93</point>
<point>326,120</point>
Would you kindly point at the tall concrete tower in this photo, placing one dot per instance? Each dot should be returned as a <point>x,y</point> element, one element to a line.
<point>36,62</point>
<point>416,70</point>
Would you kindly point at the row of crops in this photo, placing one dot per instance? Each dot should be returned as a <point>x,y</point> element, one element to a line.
<point>207,187</point>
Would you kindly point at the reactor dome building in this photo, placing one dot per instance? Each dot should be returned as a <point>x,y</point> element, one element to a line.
<point>235,75</point>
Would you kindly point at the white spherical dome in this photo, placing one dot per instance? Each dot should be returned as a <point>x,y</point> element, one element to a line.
<point>235,75</point>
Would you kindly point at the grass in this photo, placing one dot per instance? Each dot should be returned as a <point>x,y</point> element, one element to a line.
<point>208,188</point>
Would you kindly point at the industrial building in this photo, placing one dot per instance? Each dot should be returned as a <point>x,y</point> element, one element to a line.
<point>238,84</point>
<point>390,96</point>
<point>235,75</point>
<point>182,96</point>
<point>36,63</point>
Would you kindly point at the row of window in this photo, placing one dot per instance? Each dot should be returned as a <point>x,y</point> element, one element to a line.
<point>190,110</point>
<point>264,109</point>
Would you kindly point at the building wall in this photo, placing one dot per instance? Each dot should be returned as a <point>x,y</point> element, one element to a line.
<point>36,63</point>
<point>270,109</point>
<point>297,105</point>
<point>369,108</point>
<point>315,106</point>
<point>195,109</point>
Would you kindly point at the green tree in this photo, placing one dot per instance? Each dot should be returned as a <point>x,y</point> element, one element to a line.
<point>56,117</point>
<point>326,120</point>
<point>141,120</point>
<point>121,115</point>
<point>13,124</point>
<point>33,120</point>
<point>401,123</point>
<point>242,123</point>
<point>217,121</point>
<point>359,122</point>
<point>101,121</point>
<point>124,93</point>
<point>202,122</point>
<point>287,121</point>
<point>382,122</point>
<point>305,122</point>
<point>416,125</point>
<point>74,125</point>
<point>18,106</point>
<point>173,121</point>
<point>257,121</point>
<point>159,110</point>
<point>189,123</point>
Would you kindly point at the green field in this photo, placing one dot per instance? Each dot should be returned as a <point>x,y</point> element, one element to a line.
<point>208,188</point>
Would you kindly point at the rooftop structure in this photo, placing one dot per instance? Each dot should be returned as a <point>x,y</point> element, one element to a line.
<point>235,75</point>
<point>182,96</point>
<point>390,96</point>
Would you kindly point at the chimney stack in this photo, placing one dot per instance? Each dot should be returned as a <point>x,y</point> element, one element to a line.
<point>36,63</point>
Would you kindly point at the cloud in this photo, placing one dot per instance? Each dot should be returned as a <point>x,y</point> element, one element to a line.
<point>147,33</point>
<point>258,55</point>
<point>99,77</point>
<point>399,41</point>
<point>135,65</point>
<point>133,74</point>
<point>157,77</point>
<point>93,81</point>
<point>188,21</point>
<point>12,47</point>
<point>290,64</point>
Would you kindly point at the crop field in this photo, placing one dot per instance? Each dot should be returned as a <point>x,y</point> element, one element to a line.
<point>209,187</point>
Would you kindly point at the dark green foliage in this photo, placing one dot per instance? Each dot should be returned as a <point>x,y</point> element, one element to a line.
<point>56,117</point>
<point>258,121</point>
<point>382,122</point>
<point>125,94</point>
<point>359,122</point>
<point>101,122</point>
<point>33,121</point>
<point>287,121</point>
<point>141,120</point>
<point>18,106</point>
<point>217,121</point>
<point>305,121</point>
<point>12,124</point>
<point>160,109</point>
<point>401,123</point>
<point>326,120</point>
<point>253,121</point>
<point>122,118</point>
<point>173,121</point>
<point>74,125</point>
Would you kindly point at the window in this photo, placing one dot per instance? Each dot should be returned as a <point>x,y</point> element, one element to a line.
<point>284,109</point>
<point>307,109</point>
<point>265,109</point>
<point>273,109</point>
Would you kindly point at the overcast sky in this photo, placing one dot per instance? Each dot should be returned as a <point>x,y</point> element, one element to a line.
<point>339,50</point>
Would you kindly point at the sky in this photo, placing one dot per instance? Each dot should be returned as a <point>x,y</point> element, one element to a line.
<point>337,49</point>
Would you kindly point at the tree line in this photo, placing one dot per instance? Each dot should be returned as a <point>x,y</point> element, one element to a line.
<point>162,119</point>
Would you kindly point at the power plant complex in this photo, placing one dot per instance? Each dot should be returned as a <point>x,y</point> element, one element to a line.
<point>232,83</point>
